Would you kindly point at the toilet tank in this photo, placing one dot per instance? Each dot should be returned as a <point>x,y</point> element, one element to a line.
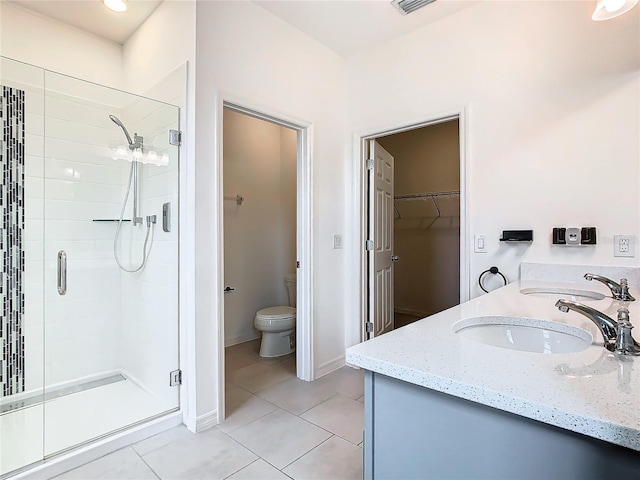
<point>290,282</point>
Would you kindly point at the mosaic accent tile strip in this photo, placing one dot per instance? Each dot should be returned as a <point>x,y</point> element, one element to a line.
<point>12,155</point>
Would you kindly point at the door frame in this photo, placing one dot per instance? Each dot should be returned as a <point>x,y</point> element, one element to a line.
<point>304,236</point>
<point>356,333</point>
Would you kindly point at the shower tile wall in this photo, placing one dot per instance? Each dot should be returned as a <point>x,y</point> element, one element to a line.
<point>29,80</point>
<point>81,183</point>
<point>70,184</point>
<point>150,347</point>
<point>12,123</point>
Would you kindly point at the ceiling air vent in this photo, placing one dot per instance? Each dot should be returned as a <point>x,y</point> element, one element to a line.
<point>408,6</point>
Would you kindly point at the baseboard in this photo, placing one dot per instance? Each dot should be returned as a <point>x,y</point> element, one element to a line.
<point>206,421</point>
<point>246,337</point>
<point>330,366</point>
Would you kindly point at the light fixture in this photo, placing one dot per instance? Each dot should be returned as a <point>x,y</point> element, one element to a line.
<point>115,5</point>
<point>607,9</point>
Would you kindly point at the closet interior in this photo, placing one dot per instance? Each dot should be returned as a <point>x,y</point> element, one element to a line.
<point>426,220</point>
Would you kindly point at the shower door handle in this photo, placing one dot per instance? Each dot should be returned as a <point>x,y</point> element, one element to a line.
<point>62,272</point>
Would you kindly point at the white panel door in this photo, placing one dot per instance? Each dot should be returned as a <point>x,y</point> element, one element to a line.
<point>381,232</point>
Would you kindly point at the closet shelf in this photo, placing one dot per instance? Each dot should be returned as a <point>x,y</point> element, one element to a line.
<point>433,196</point>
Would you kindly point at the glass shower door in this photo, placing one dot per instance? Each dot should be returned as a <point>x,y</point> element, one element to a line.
<point>21,279</point>
<point>110,261</point>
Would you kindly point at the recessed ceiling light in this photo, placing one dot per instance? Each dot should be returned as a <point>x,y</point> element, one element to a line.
<point>607,9</point>
<point>115,5</point>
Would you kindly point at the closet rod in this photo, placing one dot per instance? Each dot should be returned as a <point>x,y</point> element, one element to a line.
<point>425,196</point>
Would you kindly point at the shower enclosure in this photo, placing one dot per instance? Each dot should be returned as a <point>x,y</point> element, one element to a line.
<point>88,348</point>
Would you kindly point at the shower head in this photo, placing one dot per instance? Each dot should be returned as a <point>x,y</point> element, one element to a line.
<point>132,144</point>
<point>117,121</point>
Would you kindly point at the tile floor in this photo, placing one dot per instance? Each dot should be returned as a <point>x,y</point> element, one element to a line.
<point>402,319</point>
<point>277,427</point>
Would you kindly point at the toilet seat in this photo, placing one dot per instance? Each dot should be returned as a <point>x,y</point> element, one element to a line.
<point>280,312</point>
<point>272,318</point>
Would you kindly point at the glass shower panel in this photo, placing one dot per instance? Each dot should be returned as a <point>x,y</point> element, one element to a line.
<point>110,260</point>
<point>21,253</point>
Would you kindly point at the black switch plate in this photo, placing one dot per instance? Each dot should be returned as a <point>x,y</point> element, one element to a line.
<point>588,236</point>
<point>559,236</point>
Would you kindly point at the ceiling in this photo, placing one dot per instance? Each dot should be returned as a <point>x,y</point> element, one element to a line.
<point>92,16</point>
<point>347,26</point>
<point>344,26</point>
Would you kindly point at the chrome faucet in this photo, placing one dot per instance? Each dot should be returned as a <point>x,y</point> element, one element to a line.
<point>617,334</point>
<point>619,291</point>
<point>606,325</point>
<point>625,344</point>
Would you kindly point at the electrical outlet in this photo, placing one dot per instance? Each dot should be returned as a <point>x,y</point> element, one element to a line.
<point>624,245</point>
<point>337,241</point>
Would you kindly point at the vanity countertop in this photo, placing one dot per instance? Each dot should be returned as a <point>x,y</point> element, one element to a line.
<point>592,392</point>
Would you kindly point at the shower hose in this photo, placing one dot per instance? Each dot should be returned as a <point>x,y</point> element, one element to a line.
<point>145,252</point>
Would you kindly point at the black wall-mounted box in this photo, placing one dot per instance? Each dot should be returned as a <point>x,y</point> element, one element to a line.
<point>587,236</point>
<point>517,236</point>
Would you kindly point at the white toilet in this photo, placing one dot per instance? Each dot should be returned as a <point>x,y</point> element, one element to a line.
<point>278,325</point>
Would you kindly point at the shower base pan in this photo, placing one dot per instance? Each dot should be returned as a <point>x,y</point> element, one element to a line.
<point>72,419</point>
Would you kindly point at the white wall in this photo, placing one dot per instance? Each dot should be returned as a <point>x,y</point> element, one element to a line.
<point>245,52</point>
<point>552,107</point>
<point>259,234</point>
<point>32,38</point>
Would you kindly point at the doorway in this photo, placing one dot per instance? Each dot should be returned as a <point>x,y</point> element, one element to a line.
<point>415,220</point>
<point>266,247</point>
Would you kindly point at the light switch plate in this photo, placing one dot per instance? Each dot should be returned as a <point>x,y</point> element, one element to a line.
<point>480,243</point>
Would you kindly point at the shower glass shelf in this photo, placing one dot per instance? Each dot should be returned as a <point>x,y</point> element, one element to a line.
<point>110,220</point>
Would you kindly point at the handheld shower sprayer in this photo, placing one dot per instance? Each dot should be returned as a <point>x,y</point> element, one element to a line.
<point>137,141</point>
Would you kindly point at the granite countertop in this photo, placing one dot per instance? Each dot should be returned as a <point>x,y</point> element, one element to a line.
<point>592,392</point>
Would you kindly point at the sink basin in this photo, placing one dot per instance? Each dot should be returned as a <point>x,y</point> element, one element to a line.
<point>566,293</point>
<point>524,334</point>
